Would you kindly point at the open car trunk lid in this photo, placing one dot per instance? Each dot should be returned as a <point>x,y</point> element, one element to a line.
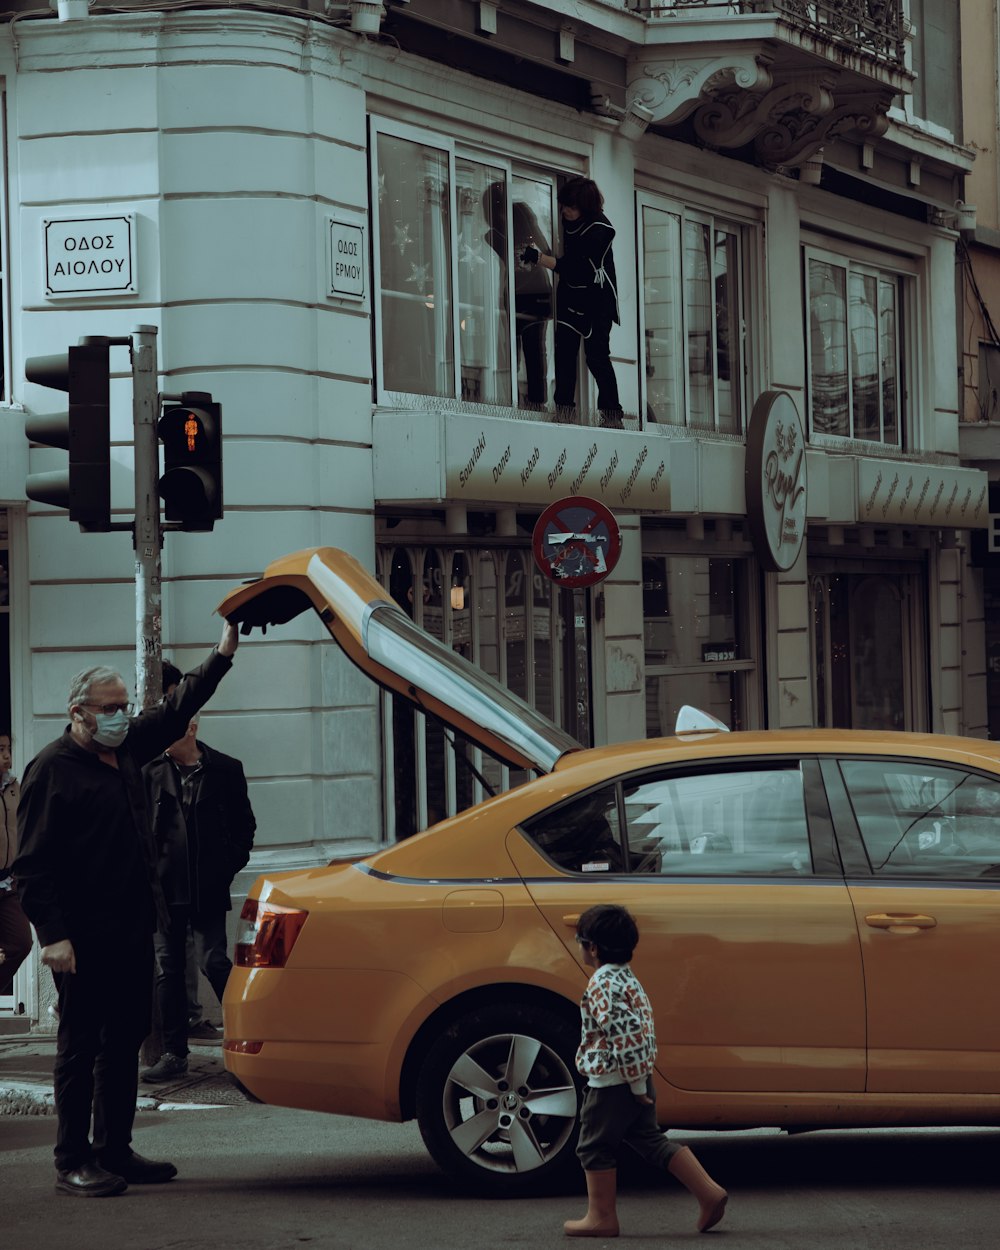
<point>382,640</point>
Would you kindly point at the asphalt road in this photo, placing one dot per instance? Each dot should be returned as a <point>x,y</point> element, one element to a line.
<point>263,1178</point>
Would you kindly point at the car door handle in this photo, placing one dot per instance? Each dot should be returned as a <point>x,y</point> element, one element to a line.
<point>901,921</point>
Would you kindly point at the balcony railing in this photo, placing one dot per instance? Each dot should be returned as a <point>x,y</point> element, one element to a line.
<point>875,27</point>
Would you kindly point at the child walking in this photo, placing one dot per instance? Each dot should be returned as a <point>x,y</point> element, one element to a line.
<point>616,1055</point>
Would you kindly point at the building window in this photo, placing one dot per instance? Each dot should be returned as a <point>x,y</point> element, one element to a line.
<point>692,318</point>
<point>989,382</point>
<point>855,337</point>
<point>459,316</point>
<point>698,645</point>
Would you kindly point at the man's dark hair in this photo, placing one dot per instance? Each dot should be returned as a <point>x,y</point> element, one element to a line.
<point>581,194</point>
<point>172,676</point>
<point>612,930</point>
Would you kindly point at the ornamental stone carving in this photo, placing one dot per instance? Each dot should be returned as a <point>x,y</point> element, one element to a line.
<point>735,99</point>
<point>672,90</point>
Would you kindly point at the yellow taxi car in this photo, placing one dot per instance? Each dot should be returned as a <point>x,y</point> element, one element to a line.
<point>819,915</point>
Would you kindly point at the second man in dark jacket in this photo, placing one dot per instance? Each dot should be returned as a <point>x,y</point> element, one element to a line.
<point>203,826</point>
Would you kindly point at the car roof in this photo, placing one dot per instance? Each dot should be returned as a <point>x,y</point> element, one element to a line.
<point>777,742</point>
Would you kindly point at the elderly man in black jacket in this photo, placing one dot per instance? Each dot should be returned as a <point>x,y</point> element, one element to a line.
<point>86,874</point>
<point>203,826</point>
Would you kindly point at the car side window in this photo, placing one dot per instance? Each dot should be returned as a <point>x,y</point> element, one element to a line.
<point>583,835</point>
<point>721,823</point>
<point>922,819</point>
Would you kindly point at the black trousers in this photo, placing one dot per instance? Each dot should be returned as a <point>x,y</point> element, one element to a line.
<point>597,352</point>
<point>531,336</point>
<point>209,932</point>
<point>611,1118</point>
<point>105,1009</point>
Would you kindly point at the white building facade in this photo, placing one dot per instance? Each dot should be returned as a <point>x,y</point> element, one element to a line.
<point>323,224</point>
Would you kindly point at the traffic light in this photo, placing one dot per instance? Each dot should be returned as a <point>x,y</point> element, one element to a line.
<point>191,485</point>
<point>84,488</point>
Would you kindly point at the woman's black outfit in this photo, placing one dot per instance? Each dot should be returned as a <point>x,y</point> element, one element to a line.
<point>586,309</point>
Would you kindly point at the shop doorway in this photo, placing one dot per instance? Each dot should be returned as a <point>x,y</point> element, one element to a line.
<point>869,648</point>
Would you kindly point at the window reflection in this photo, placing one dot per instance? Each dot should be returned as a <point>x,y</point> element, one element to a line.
<point>662,296</point>
<point>748,822</point>
<point>450,229</point>
<point>692,317</point>
<point>828,346</point>
<point>532,223</point>
<point>415,259</point>
<point>483,259</point>
<point>921,819</point>
<point>854,332</point>
<point>698,308</point>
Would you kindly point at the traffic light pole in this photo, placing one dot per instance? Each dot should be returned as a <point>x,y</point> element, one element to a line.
<point>147,534</point>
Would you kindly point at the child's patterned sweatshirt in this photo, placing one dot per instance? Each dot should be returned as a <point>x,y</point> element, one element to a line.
<point>618,1040</point>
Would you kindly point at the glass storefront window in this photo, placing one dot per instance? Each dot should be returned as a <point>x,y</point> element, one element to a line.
<point>696,641</point>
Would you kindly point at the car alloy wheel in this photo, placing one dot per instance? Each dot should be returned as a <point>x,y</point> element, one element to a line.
<point>498,1101</point>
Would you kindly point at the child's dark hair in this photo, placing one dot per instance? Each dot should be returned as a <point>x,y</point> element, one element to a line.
<point>582,194</point>
<point>612,930</point>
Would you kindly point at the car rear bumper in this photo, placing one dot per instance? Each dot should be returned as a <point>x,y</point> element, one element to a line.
<point>340,1078</point>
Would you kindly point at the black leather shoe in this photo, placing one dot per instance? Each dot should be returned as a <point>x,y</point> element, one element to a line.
<point>165,1069</point>
<point>138,1171</point>
<point>90,1180</point>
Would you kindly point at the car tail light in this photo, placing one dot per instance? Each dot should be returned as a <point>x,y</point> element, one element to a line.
<point>243,1048</point>
<point>267,934</point>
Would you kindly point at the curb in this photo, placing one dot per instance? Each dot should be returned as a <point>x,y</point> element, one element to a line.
<point>32,1098</point>
<point>26,1098</point>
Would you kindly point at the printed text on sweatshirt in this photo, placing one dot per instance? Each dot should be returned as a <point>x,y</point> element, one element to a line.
<point>618,1040</point>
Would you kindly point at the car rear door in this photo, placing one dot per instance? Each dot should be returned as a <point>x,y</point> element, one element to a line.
<point>920,841</point>
<point>748,944</point>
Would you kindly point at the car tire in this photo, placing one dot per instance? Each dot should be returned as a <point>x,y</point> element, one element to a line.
<point>498,1100</point>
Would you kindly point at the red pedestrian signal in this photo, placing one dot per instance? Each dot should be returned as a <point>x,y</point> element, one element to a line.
<point>191,485</point>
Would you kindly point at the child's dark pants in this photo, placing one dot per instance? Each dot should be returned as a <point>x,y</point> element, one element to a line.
<point>612,1117</point>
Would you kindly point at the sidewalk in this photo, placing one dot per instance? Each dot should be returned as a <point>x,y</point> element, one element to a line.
<point>26,1079</point>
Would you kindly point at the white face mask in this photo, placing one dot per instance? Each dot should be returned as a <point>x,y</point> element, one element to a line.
<point>111,730</point>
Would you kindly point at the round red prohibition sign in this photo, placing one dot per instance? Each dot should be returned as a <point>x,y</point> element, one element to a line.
<point>576,542</point>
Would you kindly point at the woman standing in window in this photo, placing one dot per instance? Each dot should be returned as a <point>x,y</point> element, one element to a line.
<point>587,298</point>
